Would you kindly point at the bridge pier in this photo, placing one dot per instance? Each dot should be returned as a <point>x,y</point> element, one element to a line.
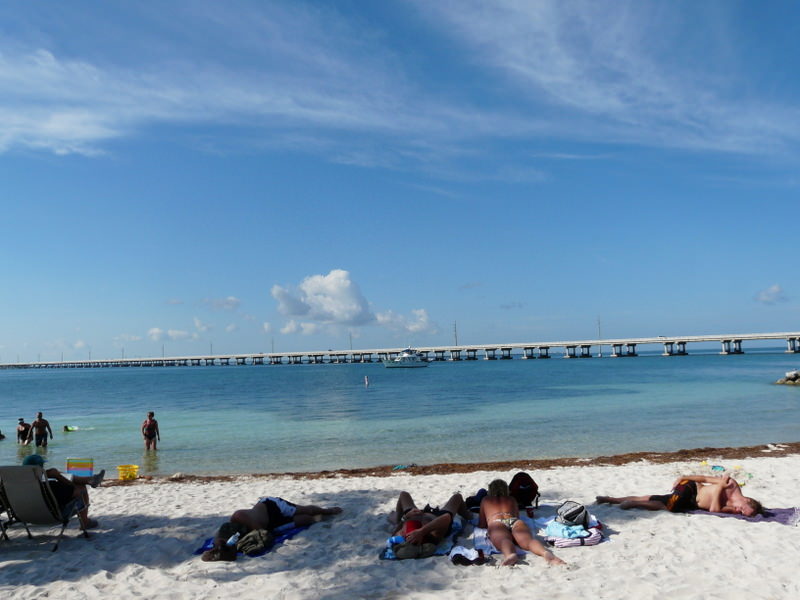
<point>528,353</point>
<point>569,352</point>
<point>489,354</point>
<point>505,353</point>
<point>736,349</point>
<point>472,354</point>
<point>455,354</point>
<point>586,351</point>
<point>544,351</point>
<point>276,360</point>
<point>792,345</point>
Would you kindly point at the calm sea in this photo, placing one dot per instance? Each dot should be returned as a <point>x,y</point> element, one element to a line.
<point>246,419</point>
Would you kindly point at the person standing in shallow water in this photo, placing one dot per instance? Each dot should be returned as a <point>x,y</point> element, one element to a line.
<point>150,431</point>
<point>39,430</point>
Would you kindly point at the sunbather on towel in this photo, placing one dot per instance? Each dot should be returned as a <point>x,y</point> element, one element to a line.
<point>426,525</point>
<point>500,516</point>
<point>692,492</point>
<point>66,490</point>
<point>269,513</point>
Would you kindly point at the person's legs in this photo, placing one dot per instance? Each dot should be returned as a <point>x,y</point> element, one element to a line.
<point>252,518</point>
<point>404,503</point>
<point>500,536</point>
<point>626,502</point>
<point>306,515</point>
<point>457,506</point>
<point>525,540</point>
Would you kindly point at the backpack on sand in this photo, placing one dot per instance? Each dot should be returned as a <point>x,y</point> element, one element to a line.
<point>524,490</point>
<point>572,513</point>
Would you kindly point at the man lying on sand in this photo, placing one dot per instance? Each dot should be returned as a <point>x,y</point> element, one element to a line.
<point>269,513</point>
<point>500,516</point>
<point>423,529</point>
<point>692,492</point>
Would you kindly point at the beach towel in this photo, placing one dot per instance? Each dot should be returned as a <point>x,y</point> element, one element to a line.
<point>282,534</point>
<point>784,516</point>
<point>442,549</point>
<point>481,541</point>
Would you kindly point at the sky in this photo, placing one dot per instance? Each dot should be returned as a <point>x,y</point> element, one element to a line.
<point>182,178</point>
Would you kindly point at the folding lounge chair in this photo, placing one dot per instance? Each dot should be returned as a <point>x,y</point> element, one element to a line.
<point>30,501</point>
<point>7,511</point>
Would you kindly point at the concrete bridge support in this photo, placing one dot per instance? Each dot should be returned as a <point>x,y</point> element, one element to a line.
<point>505,353</point>
<point>732,347</point>
<point>528,353</point>
<point>438,355</point>
<point>586,351</point>
<point>276,360</point>
<point>258,360</point>
<point>792,345</point>
<point>455,354</point>
<point>489,354</point>
<point>544,351</point>
<point>472,354</point>
<point>569,352</point>
<point>240,360</point>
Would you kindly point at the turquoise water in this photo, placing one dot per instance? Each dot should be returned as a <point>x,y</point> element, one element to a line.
<point>252,419</point>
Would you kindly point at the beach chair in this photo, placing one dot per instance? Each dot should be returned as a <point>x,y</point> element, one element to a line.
<point>29,500</point>
<point>4,510</point>
<point>81,467</point>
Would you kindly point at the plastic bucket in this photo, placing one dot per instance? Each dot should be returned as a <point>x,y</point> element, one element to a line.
<point>127,472</point>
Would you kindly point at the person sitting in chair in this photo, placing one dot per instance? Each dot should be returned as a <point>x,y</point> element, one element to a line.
<point>66,490</point>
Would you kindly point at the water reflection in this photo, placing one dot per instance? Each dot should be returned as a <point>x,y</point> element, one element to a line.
<point>149,463</point>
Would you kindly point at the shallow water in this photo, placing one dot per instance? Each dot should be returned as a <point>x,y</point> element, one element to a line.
<point>242,419</point>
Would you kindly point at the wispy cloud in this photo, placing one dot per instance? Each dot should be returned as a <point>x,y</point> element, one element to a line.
<point>771,295</point>
<point>229,303</point>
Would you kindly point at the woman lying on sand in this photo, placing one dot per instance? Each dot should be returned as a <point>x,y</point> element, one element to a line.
<point>692,492</point>
<point>500,515</point>
<point>269,513</point>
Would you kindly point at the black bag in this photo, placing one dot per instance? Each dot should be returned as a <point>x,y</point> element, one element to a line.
<point>572,513</point>
<point>524,490</point>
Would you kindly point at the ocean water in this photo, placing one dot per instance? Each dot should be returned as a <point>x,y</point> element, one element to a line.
<point>255,419</point>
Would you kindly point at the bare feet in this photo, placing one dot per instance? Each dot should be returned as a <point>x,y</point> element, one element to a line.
<point>510,560</point>
<point>603,499</point>
<point>552,559</point>
<point>90,524</point>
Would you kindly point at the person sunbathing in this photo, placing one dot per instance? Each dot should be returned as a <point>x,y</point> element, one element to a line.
<point>426,525</point>
<point>692,492</point>
<point>499,514</point>
<point>269,513</point>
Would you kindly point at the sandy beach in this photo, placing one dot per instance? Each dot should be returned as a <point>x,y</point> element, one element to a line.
<point>149,529</point>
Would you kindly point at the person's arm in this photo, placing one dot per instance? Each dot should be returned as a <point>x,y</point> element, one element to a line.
<point>158,433</point>
<point>435,528</point>
<point>482,517</point>
<point>712,479</point>
<point>144,424</point>
<point>47,424</point>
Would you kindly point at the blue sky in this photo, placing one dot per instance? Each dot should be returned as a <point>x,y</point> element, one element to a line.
<point>290,174</point>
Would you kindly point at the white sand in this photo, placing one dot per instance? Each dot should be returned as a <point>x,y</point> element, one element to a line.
<point>144,545</point>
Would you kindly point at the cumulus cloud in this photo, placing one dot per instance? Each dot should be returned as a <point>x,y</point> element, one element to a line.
<point>231,327</point>
<point>229,303</point>
<point>200,326</point>
<point>308,328</point>
<point>156,334</point>
<point>418,322</point>
<point>289,327</point>
<point>772,295</point>
<point>330,299</point>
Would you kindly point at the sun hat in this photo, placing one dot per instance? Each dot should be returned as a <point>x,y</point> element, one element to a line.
<point>33,459</point>
<point>21,420</point>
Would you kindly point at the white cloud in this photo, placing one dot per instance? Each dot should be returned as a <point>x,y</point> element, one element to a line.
<point>419,321</point>
<point>79,344</point>
<point>200,326</point>
<point>229,303</point>
<point>309,328</point>
<point>267,327</point>
<point>174,301</point>
<point>126,337</point>
<point>156,334</point>
<point>289,327</point>
<point>231,327</point>
<point>177,334</point>
<point>331,299</point>
<point>772,295</point>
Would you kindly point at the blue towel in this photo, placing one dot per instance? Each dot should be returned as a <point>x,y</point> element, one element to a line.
<point>559,530</point>
<point>281,535</point>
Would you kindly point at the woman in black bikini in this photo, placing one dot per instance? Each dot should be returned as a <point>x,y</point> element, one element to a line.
<point>150,431</point>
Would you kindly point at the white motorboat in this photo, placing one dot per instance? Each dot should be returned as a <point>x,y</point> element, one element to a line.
<point>794,374</point>
<point>407,359</point>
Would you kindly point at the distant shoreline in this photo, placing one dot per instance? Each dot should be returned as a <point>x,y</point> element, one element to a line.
<point>730,453</point>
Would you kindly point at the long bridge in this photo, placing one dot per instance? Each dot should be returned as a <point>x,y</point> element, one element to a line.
<point>623,347</point>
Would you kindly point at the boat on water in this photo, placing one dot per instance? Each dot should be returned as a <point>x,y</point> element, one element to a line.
<point>407,359</point>
<point>793,374</point>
